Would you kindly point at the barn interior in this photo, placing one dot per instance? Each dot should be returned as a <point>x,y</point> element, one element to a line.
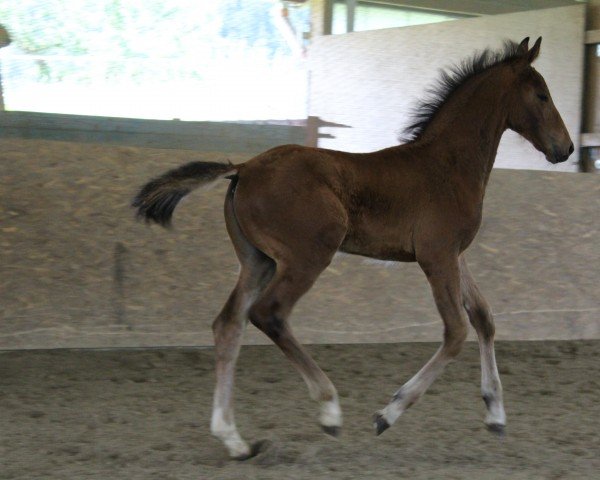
<point>106,347</point>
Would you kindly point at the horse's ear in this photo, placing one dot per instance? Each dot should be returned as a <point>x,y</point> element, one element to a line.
<point>523,46</point>
<point>535,50</point>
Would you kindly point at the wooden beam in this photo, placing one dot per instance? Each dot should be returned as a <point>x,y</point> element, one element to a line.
<point>590,140</point>
<point>4,41</point>
<point>201,136</point>
<point>592,37</point>
<point>327,17</point>
<point>350,15</point>
<point>1,95</point>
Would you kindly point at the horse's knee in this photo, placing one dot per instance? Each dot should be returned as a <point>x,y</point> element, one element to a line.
<point>229,313</point>
<point>481,319</point>
<point>454,339</point>
<point>224,323</point>
<point>266,319</point>
<point>487,328</point>
<point>256,315</point>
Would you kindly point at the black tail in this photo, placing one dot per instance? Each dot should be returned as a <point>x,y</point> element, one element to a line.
<point>159,197</point>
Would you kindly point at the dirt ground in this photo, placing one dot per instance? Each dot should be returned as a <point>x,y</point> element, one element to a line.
<point>144,414</point>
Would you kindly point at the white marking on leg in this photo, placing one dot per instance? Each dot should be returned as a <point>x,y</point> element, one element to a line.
<point>414,389</point>
<point>331,413</point>
<point>227,345</point>
<point>480,316</point>
<point>228,434</point>
<point>491,387</point>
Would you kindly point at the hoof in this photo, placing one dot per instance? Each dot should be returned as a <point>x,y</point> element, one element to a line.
<point>255,449</point>
<point>497,428</point>
<point>380,424</point>
<point>332,430</point>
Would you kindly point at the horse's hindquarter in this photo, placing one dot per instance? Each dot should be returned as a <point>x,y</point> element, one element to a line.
<point>286,205</point>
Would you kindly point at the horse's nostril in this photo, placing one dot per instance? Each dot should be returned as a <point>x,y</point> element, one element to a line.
<point>571,148</point>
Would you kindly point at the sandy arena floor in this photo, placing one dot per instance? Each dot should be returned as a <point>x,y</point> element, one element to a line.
<point>144,414</point>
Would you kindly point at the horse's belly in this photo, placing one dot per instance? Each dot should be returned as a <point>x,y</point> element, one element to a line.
<point>379,248</point>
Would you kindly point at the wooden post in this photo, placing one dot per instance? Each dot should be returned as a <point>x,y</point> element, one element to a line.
<point>4,41</point>
<point>350,14</point>
<point>591,105</point>
<point>320,17</point>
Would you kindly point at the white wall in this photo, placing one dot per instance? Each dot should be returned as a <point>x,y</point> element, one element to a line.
<point>370,80</point>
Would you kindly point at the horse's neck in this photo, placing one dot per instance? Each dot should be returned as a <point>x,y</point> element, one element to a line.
<point>467,130</point>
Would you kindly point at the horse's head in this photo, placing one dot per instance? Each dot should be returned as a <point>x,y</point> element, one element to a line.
<point>532,112</point>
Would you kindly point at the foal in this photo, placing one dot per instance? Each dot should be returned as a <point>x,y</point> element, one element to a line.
<point>290,209</point>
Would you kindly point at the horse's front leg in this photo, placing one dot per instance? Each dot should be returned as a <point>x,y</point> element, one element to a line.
<point>444,278</point>
<point>480,317</point>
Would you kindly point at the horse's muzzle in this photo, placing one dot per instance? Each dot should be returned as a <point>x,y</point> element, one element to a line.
<point>559,154</point>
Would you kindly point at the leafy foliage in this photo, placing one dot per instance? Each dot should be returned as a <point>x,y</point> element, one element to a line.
<point>113,37</point>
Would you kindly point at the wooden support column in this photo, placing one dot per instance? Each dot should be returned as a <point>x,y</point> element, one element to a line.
<point>591,107</point>
<point>320,18</point>
<point>590,138</point>
<point>350,15</point>
<point>4,41</point>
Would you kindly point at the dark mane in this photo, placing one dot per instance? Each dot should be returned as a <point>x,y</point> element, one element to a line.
<point>449,81</point>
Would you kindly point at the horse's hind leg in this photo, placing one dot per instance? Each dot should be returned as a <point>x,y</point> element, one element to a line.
<point>480,317</point>
<point>300,228</point>
<point>228,328</point>
<point>270,314</point>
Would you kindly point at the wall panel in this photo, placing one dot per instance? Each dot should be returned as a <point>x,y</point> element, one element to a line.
<point>77,270</point>
<point>370,80</point>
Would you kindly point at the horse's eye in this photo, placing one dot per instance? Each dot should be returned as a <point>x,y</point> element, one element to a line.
<point>543,97</point>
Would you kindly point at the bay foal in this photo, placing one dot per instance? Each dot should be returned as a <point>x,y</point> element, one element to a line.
<point>290,209</point>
